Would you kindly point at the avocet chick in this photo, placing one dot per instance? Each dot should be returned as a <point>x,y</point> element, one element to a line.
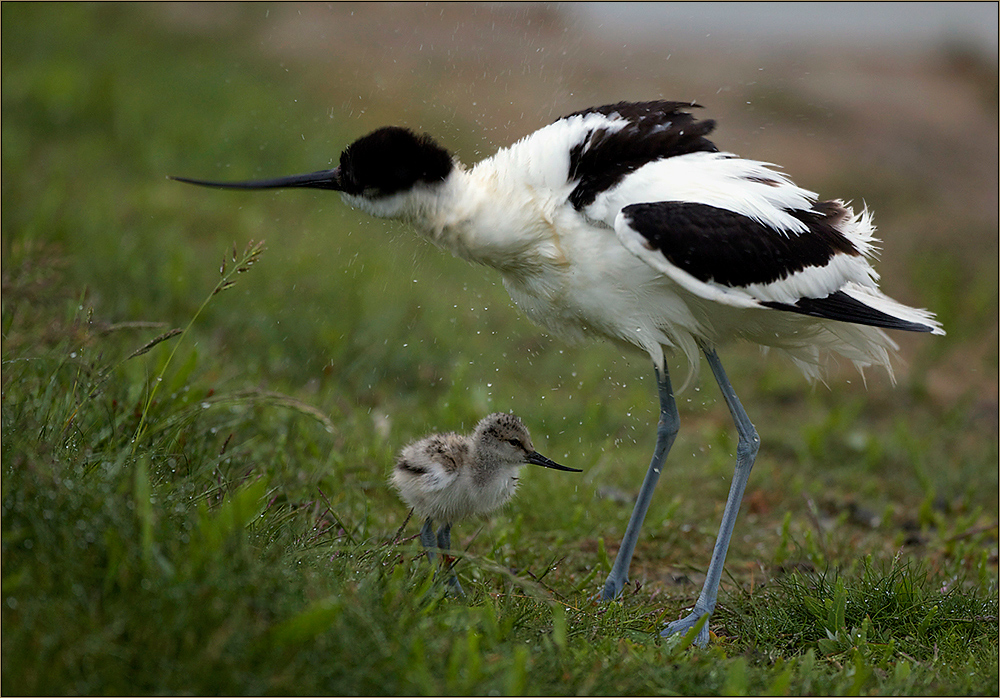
<point>450,477</point>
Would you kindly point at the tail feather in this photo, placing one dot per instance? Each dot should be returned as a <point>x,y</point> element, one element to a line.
<point>880,302</point>
<point>863,306</point>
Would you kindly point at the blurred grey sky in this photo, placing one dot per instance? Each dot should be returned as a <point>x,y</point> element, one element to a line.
<point>793,23</point>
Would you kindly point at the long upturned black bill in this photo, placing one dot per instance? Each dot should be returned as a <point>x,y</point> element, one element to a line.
<point>536,458</point>
<point>324,179</point>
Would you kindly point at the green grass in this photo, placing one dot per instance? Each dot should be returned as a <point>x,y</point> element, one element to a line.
<point>194,488</point>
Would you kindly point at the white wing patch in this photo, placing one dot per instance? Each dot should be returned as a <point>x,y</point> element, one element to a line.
<point>721,180</point>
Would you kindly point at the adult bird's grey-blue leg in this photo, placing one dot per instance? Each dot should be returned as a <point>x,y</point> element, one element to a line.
<point>444,543</point>
<point>666,431</point>
<point>746,452</point>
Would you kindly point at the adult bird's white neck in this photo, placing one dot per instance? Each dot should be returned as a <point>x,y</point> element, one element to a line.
<point>476,214</point>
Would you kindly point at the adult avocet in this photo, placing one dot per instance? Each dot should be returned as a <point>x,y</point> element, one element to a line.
<point>625,222</point>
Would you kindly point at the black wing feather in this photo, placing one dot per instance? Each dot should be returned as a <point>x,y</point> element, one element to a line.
<point>715,244</point>
<point>728,248</point>
<point>840,306</point>
<point>655,130</point>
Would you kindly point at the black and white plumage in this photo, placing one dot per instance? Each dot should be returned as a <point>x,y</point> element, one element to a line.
<point>626,222</point>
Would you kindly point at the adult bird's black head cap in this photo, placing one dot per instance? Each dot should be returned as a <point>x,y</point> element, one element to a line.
<point>385,162</point>
<point>390,160</point>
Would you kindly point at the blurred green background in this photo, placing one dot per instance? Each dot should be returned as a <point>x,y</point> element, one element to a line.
<point>224,488</point>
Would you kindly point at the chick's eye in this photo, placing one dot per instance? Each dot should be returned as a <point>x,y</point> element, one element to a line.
<point>514,442</point>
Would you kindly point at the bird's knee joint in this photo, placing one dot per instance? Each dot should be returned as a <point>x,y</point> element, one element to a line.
<point>749,445</point>
<point>669,424</point>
